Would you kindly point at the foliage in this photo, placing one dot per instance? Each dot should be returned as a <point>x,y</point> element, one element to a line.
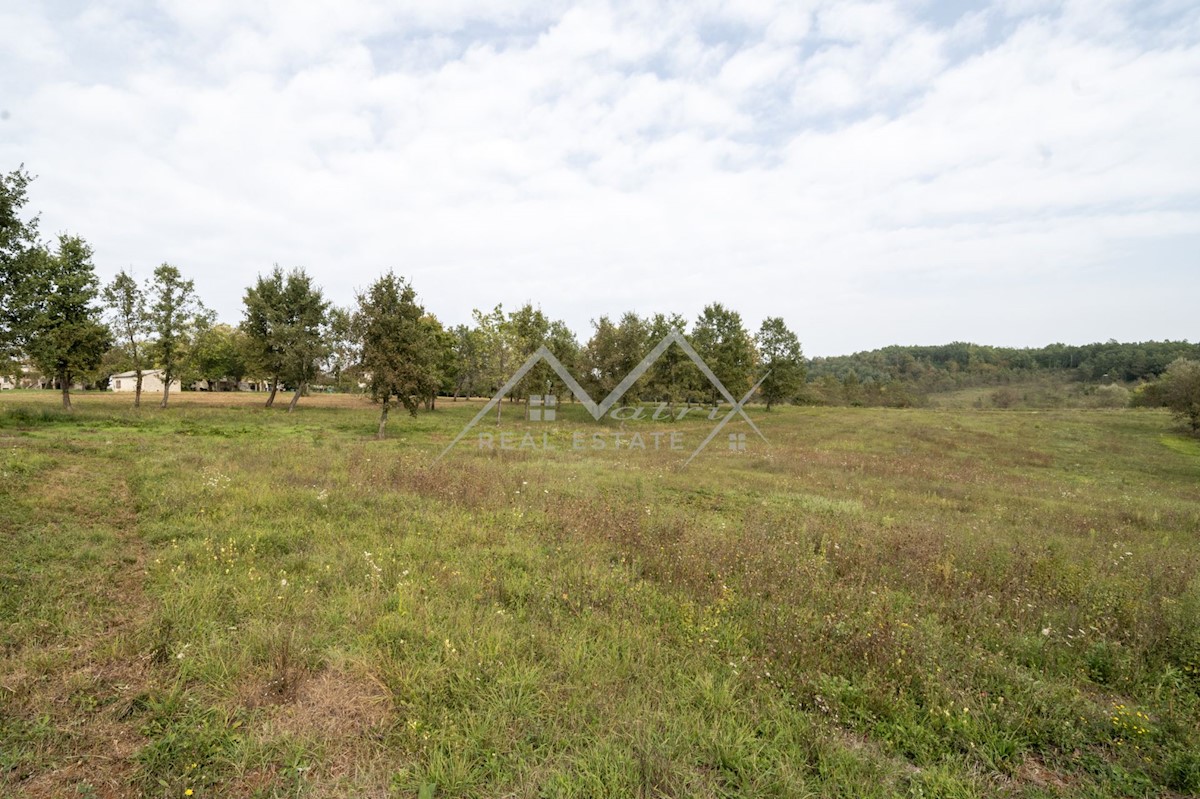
<point>126,301</point>
<point>723,342</point>
<point>400,346</point>
<point>960,365</point>
<point>66,337</point>
<point>1180,391</point>
<point>219,352</point>
<point>175,313</point>
<point>781,356</point>
<point>286,318</point>
<point>20,257</point>
<point>612,353</point>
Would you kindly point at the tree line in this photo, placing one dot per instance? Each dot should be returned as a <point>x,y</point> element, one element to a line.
<point>56,316</point>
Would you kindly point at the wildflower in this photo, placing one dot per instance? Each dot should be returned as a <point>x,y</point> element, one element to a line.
<point>188,792</point>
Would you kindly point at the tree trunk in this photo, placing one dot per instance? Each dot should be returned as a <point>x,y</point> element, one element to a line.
<point>137,390</point>
<point>166,390</point>
<point>271,396</point>
<point>66,393</point>
<point>382,421</point>
<point>295,398</point>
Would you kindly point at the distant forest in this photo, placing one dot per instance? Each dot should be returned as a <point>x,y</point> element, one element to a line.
<point>900,375</point>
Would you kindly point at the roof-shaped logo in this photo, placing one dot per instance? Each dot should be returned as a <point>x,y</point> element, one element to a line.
<point>598,410</point>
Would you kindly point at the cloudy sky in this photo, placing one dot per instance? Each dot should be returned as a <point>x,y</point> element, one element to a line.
<point>1016,172</point>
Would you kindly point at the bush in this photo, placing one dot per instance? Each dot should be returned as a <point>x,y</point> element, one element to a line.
<point>1113,395</point>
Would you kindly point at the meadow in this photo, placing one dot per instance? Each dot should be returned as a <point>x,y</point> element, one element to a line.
<point>219,600</point>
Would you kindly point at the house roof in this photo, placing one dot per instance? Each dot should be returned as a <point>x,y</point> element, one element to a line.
<point>145,373</point>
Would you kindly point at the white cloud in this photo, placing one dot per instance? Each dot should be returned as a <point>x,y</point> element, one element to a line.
<point>832,163</point>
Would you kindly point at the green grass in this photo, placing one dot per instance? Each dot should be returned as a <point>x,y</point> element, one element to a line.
<point>951,603</point>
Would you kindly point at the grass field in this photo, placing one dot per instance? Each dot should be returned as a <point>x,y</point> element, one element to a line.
<point>218,600</point>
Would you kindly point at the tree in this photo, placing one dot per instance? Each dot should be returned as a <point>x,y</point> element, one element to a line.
<point>1180,391</point>
<point>498,348</point>
<point>780,354</point>
<point>131,323</point>
<point>285,318</point>
<point>263,318</point>
<point>20,256</point>
<point>218,352</point>
<point>66,335</point>
<point>174,313</point>
<point>344,348</point>
<point>613,351</point>
<point>398,357</point>
<point>723,342</point>
<point>304,342</point>
<point>673,377</point>
<point>468,360</point>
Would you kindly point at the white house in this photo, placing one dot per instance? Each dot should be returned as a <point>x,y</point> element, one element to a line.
<point>152,382</point>
<point>6,382</point>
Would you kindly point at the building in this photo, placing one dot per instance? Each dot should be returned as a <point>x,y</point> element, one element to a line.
<point>152,382</point>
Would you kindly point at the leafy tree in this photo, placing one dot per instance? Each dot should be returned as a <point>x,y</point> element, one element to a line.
<point>561,341</point>
<point>780,354</point>
<point>218,352</point>
<point>723,342</point>
<point>398,356</point>
<point>499,349</point>
<point>529,328</point>
<point>126,301</point>
<point>20,258</point>
<point>285,318</point>
<point>67,337</point>
<point>344,348</point>
<point>468,361</point>
<point>263,321</point>
<point>1180,391</point>
<point>174,314</point>
<point>674,377</point>
<point>613,351</point>
<point>304,342</point>
<point>439,355</point>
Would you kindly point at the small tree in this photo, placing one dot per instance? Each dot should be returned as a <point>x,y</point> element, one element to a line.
<point>20,257</point>
<point>725,345</point>
<point>285,318</point>
<point>218,353</point>
<point>345,349</point>
<point>304,340</point>
<point>174,311</point>
<point>1180,391</point>
<point>780,353</point>
<point>262,323</point>
<point>397,356</point>
<point>131,323</point>
<point>67,337</point>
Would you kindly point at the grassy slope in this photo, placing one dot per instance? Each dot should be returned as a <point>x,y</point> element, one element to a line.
<point>922,603</point>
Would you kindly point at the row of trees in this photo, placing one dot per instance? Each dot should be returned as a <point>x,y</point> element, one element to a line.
<point>57,316</point>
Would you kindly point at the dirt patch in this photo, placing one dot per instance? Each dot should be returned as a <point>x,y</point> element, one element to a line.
<point>332,706</point>
<point>1034,772</point>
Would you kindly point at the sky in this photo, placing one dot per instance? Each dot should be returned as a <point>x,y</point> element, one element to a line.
<point>1012,173</point>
